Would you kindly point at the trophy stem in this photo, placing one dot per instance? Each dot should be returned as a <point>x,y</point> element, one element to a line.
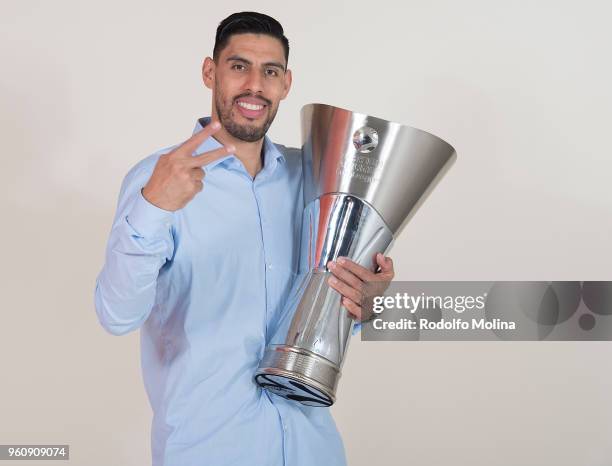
<point>306,368</point>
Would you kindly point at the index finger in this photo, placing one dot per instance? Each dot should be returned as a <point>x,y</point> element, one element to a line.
<point>359,270</point>
<point>210,156</point>
<point>191,144</point>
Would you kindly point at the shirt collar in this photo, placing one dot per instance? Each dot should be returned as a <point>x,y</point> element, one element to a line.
<point>271,153</point>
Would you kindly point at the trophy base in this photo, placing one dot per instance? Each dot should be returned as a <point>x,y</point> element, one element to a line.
<point>299,375</point>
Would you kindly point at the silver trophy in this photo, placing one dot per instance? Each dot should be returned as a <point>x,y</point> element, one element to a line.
<point>364,178</point>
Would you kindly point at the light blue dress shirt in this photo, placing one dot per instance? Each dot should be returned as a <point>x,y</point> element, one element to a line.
<point>206,286</point>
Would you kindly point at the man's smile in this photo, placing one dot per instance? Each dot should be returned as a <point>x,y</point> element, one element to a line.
<point>251,107</point>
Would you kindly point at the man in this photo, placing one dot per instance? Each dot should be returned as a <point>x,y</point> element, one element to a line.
<point>201,257</point>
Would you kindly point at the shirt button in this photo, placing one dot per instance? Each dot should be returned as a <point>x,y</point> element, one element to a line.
<point>269,266</point>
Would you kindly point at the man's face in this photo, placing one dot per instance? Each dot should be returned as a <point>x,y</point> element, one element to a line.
<point>248,82</point>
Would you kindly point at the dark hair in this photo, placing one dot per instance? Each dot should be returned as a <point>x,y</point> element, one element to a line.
<point>248,22</point>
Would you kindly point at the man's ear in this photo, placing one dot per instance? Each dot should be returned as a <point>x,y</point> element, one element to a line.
<point>287,83</point>
<point>208,72</point>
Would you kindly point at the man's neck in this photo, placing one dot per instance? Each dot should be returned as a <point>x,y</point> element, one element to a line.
<point>249,153</point>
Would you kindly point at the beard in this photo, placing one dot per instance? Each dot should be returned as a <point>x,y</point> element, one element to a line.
<point>247,132</point>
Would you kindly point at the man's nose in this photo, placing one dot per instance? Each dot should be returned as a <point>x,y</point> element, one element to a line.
<point>255,81</point>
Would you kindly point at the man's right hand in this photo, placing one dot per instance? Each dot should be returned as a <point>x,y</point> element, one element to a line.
<point>178,175</point>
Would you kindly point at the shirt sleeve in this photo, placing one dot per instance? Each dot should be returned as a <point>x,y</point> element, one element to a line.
<point>140,243</point>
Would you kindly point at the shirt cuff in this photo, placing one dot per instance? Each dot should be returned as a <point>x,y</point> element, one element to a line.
<point>148,220</point>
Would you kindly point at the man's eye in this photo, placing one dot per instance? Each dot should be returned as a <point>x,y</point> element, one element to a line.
<point>271,72</point>
<point>238,67</point>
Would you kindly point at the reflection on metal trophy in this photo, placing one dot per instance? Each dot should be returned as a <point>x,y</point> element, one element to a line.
<point>364,178</point>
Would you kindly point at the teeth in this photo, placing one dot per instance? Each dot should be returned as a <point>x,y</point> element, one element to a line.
<point>250,106</point>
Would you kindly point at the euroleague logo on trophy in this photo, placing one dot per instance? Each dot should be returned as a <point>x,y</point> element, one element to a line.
<point>365,139</point>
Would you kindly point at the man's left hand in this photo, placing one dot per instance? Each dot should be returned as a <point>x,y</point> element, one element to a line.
<point>356,283</point>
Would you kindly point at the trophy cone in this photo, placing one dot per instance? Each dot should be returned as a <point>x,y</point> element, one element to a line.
<point>364,178</point>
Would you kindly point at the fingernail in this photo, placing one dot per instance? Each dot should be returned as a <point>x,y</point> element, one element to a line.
<point>333,280</point>
<point>341,260</point>
<point>215,125</point>
<point>331,265</point>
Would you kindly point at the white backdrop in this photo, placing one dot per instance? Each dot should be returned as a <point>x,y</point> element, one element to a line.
<point>522,91</point>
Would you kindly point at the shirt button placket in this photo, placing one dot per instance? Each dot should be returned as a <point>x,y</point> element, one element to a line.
<point>262,228</point>
<point>263,224</point>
